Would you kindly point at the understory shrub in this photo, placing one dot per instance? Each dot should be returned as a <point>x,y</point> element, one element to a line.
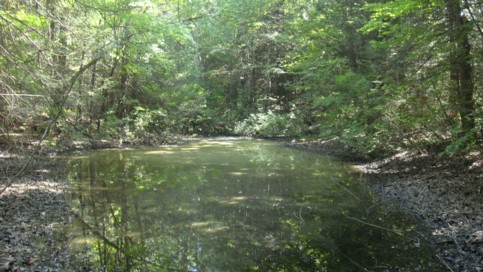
<point>270,124</point>
<point>139,125</point>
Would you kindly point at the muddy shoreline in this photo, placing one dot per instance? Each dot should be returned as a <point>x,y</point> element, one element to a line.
<point>445,194</point>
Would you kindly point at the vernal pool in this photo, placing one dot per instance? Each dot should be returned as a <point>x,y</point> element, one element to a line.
<point>234,205</point>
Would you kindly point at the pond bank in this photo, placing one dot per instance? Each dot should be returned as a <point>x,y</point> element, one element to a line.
<point>447,194</point>
<point>33,206</point>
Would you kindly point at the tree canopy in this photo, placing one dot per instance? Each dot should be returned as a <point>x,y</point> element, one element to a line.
<point>378,75</point>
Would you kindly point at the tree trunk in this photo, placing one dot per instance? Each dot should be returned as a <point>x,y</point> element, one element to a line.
<point>462,86</point>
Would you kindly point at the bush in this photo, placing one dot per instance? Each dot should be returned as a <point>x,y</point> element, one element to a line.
<point>270,124</point>
<point>140,125</point>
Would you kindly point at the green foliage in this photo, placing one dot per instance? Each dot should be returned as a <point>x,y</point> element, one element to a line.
<point>142,122</point>
<point>270,124</point>
<point>142,125</point>
<point>376,74</point>
<point>113,127</point>
<point>385,16</point>
<point>350,111</point>
<point>463,143</point>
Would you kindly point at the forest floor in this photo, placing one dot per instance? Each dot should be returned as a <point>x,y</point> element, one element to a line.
<point>446,194</point>
<point>33,211</point>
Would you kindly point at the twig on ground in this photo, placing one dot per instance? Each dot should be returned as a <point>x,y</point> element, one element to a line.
<point>447,266</point>
<point>454,238</point>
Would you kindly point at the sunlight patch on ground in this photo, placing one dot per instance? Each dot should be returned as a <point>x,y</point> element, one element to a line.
<point>213,143</point>
<point>83,240</point>
<point>190,148</point>
<point>159,152</point>
<point>43,186</point>
<point>359,168</point>
<point>71,157</point>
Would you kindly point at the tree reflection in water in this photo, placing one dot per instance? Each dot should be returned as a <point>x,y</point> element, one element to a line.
<point>234,206</point>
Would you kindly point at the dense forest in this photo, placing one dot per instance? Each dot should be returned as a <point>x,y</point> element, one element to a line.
<point>379,75</point>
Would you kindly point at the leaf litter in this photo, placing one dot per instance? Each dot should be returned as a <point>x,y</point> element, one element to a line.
<point>33,213</point>
<point>446,194</point>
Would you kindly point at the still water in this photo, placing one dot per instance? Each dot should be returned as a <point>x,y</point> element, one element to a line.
<point>234,205</point>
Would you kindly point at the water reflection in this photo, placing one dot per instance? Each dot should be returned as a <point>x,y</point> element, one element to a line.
<point>233,206</point>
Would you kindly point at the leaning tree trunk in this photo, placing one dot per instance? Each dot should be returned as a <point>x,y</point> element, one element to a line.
<point>462,86</point>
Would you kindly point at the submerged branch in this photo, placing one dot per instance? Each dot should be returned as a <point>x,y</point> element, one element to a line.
<point>375,226</point>
<point>348,191</point>
<point>354,262</point>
